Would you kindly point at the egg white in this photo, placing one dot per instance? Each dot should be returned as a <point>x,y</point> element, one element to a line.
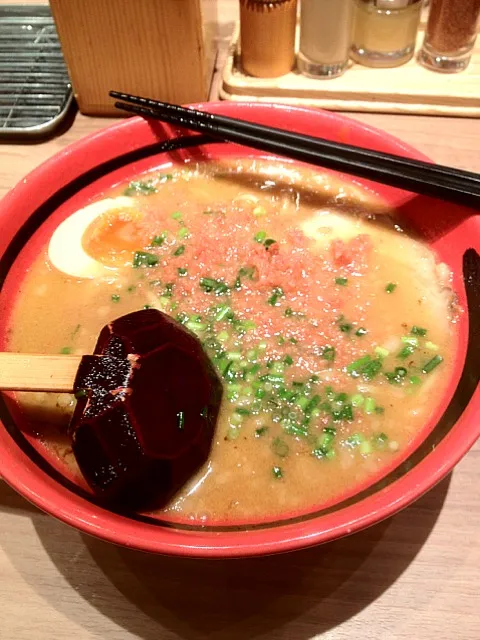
<point>65,250</point>
<point>326,225</point>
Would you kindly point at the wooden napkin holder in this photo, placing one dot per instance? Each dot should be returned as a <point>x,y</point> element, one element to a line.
<point>163,49</point>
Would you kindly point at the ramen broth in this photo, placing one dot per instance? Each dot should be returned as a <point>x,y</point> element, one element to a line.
<point>332,329</point>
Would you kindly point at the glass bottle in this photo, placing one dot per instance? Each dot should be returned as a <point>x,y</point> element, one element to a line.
<point>450,35</point>
<point>325,37</point>
<point>267,37</point>
<point>385,31</point>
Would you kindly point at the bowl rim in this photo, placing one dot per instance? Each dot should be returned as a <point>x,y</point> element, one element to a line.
<point>20,472</point>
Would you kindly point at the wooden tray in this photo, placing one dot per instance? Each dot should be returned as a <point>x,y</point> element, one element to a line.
<point>407,89</point>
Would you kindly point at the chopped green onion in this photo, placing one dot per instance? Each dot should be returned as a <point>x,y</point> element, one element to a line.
<point>410,340</point>
<point>176,215</point>
<point>181,419</point>
<point>277,293</point>
<point>273,378</point>
<point>168,292</point>
<point>382,352</point>
<point>157,241</point>
<point>81,393</point>
<point>180,251</point>
<point>115,297</point>
<point>131,288</point>
<point>298,431</point>
<point>268,243</point>
<point>357,400</point>
<point>328,353</point>
<point>431,346</point>
<point>242,411</point>
<point>380,440</point>
<point>260,393</point>
<point>260,236</point>
<point>223,336</point>
<point>183,233</point>
<point>261,431</point>
<point>244,272</point>
<point>277,473</point>
<point>432,364</point>
<point>66,351</point>
<point>354,440</point>
<point>365,448</point>
<point>288,360</point>
<point>288,312</point>
<point>369,405</point>
<point>406,351</point>
<point>222,312</point>
<point>196,326</point>
<point>361,331</point>
<point>356,367</point>
<point>397,375</point>
<point>390,288</point>
<point>232,394</point>
<point>293,340</point>
<point>144,259</point>
<point>302,402</point>
<point>144,187</point>
<point>312,404</point>
<point>342,282</point>
<point>236,419</point>
<point>182,272</point>
<point>262,345</point>
<point>372,369</point>
<point>280,447</point>
<point>233,433</point>
<point>418,331</point>
<point>345,413</point>
<point>217,286</point>
<point>415,380</point>
<point>234,355</point>
<point>320,452</point>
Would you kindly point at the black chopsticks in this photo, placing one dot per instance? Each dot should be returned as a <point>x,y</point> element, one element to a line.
<point>454,185</point>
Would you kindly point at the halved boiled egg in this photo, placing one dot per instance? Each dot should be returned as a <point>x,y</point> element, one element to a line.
<point>98,238</point>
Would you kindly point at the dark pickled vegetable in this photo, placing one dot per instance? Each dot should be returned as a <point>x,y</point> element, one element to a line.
<point>146,410</point>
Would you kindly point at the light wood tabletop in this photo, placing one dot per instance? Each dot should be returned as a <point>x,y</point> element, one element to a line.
<point>415,576</point>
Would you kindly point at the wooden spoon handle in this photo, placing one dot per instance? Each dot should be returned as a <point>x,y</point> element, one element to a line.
<point>37,372</point>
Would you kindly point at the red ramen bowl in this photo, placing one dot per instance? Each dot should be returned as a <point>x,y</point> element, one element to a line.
<point>82,172</point>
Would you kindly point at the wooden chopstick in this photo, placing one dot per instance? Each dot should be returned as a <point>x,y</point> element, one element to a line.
<point>425,178</point>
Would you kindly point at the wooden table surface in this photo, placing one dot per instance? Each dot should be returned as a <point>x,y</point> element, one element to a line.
<point>415,576</point>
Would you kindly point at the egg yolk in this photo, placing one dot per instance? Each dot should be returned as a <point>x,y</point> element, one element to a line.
<point>114,236</point>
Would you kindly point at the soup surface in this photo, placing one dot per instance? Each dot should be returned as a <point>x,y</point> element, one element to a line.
<point>332,328</point>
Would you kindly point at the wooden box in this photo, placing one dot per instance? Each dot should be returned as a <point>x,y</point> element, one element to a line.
<point>162,49</point>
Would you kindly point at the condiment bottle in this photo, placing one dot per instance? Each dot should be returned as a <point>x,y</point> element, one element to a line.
<point>267,37</point>
<point>450,35</point>
<point>325,37</point>
<point>385,31</point>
